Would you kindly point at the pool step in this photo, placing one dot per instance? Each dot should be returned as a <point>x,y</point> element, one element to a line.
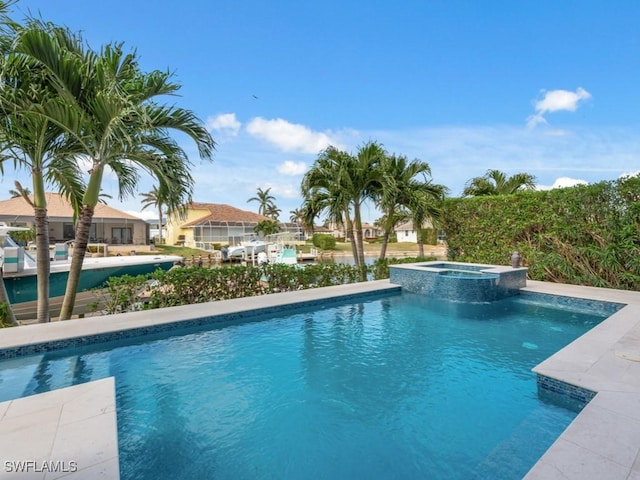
<point>507,457</point>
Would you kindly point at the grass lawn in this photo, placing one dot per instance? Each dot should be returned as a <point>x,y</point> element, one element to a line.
<point>375,247</point>
<point>185,252</point>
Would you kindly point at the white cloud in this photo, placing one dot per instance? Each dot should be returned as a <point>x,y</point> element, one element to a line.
<point>144,214</point>
<point>225,123</point>
<point>630,174</point>
<point>555,101</point>
<point>285,191</point>
<point>292,168</point>
<point>563,182</point>
<point>290,137</point>
<point>455,154</point>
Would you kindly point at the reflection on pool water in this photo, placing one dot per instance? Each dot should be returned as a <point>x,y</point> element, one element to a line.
<point>397,387</point>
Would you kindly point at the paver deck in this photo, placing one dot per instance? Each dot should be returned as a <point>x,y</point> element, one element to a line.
<point>70,433</point>
<point>603,442</point>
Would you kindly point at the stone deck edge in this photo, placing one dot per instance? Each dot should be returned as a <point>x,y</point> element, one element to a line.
<point>603,441</point>
<point>12,340</point>
<point>69,433</point>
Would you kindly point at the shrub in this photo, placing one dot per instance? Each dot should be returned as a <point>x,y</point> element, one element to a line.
<point>324,241</point>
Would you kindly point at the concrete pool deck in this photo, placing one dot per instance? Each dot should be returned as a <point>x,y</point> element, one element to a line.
<point>602,442</point>
<point>68,433</point>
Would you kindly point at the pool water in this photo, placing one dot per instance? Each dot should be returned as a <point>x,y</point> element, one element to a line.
<point>396,387</point>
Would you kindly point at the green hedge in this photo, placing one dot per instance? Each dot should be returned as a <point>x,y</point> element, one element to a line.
<point>586,235</point>
<point>189,285</point>
<point>324,241</point>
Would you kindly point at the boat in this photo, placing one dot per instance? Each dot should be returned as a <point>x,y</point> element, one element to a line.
<point>276,248</point>
<point>282,249</point>
<point>246,250</point>
<point>19,268</point>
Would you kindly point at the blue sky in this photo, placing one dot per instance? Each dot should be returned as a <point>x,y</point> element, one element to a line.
<point>546,87</point>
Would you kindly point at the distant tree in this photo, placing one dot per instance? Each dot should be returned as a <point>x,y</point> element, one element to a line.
<point>267,227</point>
<point>295,216</point>
<point>273,212</point>
<point>495,182</point>
<point>265,201</point>
<point>20,191</point>
<point>155,198</point>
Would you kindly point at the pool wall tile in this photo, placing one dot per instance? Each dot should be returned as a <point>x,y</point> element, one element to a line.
<point>598,307</point>
<point>459,282</point>
<point>134,332</point>
<point>563,394</point>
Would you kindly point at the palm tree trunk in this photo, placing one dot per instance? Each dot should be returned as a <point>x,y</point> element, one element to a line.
<point>79,250</point>
<point>385,242</point>
<point>160,220</point>
<point>354,248</point>
<point>360,242</point>
<point>388,226</point>
<point>358,231</point>
<point>420,242</point>
<point>43,265</point>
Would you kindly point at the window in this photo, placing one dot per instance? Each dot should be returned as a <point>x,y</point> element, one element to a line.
<point>68,232</point>
<point>121,235</point>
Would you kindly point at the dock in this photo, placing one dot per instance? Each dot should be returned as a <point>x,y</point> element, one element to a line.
<point>307,257</point>
<point>26,312</point>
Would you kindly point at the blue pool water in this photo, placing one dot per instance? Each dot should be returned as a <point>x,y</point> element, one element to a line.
<point>395,387</point>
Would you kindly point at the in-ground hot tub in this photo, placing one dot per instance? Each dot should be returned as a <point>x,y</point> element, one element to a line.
<point>464,282</point>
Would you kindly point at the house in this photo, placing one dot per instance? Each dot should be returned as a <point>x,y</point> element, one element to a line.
<point>109,225</point>
<point>154,229</point>
<point>406,232</point>
<point>368,230</point>
<point>204,224</point>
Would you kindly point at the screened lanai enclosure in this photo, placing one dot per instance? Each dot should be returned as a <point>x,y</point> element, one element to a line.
<point>209,233</point>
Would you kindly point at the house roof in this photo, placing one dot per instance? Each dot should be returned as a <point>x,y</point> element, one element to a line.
<point>409,226</point>
<point>220,213</point>
<point>58,206</point>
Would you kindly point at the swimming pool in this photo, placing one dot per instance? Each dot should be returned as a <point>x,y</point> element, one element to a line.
<point>402,386</point>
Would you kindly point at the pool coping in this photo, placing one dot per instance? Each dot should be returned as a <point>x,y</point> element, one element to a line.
<point>31,339</point>
<point>605,436</point>
<point>603,441</point>
<point>77,434</point>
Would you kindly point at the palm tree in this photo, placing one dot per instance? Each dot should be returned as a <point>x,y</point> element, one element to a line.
<point>339,183</point>
<point>272,212</point>
<point>267,227</point>
<point>424,204</point>
<point>33,138</point>
<point>308,213</point>
<point>154,198</point>
<point>323,194</point>
<point>403,184</point>
<point>123,127</point>
<point>495,182</point>
<point>295,215</point>
<point>265,201</point>
<point>364,180</point>
<point>20,191</point>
